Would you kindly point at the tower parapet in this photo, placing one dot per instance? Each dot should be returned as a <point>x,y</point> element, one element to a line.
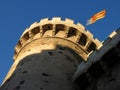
<point>62,29</point>
<point>47,55</point>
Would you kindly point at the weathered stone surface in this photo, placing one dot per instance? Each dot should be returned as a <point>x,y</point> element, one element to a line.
<point>101,71</point>
<point>47,55</point>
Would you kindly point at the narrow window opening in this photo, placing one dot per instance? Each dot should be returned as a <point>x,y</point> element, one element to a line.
<point>72,32</point>
<point>26,36</point>
<point>41,88</point>
<point>47,27</point>
<point>25,72</point>
<point>83,40</point>
<point>45,74</point>
<point>50,53</point>
<point>22,82</point>
<point>59,27</point>
<point>35,30</point>
<point>91,47</point>
<point>60,52</point>
<point>61,48</point>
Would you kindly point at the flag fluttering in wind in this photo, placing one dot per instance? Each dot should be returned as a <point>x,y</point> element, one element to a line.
<point>96,17</point>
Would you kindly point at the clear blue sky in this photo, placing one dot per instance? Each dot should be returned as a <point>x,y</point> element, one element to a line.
<point>16,15</point>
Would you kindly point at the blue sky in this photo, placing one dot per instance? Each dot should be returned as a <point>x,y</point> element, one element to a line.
<point>17,15</point>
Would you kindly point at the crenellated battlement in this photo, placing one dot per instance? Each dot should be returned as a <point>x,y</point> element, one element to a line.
<point>63,29</point>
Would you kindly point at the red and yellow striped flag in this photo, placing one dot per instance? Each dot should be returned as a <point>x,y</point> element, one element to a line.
<point>96,17</point>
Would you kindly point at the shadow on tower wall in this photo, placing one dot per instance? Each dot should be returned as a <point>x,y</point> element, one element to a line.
<point>47,70</point>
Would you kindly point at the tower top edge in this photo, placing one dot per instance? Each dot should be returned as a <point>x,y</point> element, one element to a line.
<point>58,27</point>
<point>54,20</point>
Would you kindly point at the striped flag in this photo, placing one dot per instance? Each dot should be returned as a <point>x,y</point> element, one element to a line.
<point>96,17</point>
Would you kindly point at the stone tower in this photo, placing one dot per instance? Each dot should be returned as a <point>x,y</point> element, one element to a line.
<point>47,55</point>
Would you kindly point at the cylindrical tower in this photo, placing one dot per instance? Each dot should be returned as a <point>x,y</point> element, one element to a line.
<point>47,54</point>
